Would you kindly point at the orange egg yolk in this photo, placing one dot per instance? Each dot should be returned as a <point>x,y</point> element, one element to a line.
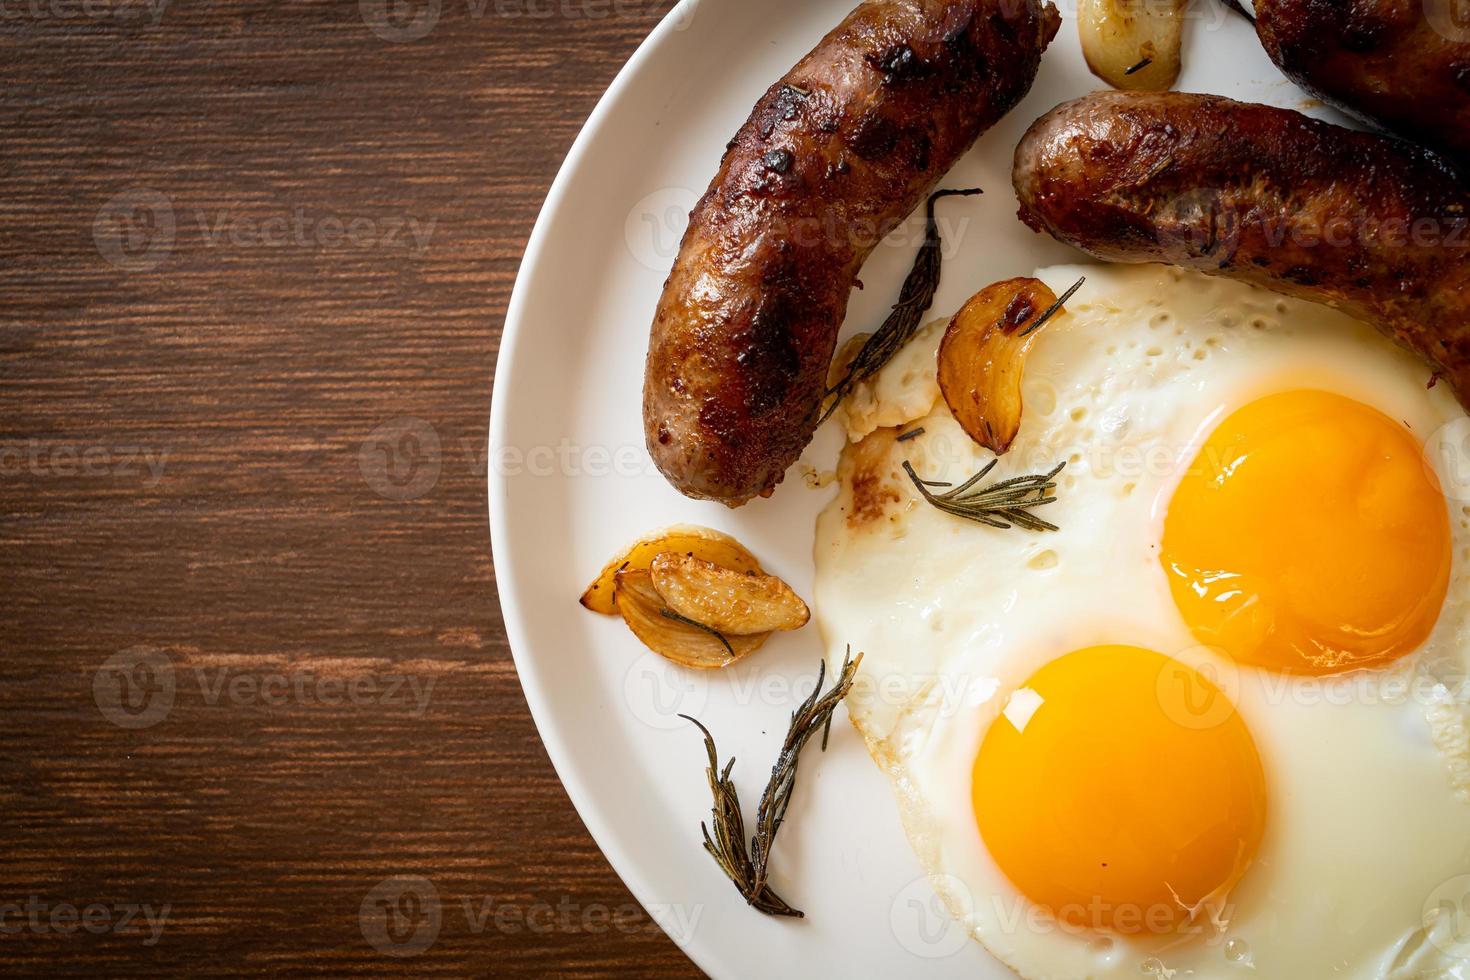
<point>1116,793</point>
<point>1309,537</point>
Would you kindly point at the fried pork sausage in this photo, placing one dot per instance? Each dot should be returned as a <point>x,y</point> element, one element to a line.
<point>833,157</point>
<point>1366,223</point>
<point>1404,64</point>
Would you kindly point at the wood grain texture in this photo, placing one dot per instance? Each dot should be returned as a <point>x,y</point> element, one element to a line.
<point>254,261</point>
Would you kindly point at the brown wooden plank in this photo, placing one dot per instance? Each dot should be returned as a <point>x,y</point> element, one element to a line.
<point>193,423</point>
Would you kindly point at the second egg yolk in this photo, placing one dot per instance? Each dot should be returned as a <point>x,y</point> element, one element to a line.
<point>1120,790</point>
<point>1309,537</point>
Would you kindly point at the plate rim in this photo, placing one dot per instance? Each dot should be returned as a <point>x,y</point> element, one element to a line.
<point>512,335</point>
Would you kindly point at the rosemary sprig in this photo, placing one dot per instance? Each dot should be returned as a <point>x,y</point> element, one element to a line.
<point>1007,501</point>
<point>914,300</point>
<point>727,842</point>
<point>1051,310</point>
<point>676,617</point>
<point>749,869</point>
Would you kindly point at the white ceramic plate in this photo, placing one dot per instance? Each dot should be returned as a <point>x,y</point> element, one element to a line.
<point>570,482</point>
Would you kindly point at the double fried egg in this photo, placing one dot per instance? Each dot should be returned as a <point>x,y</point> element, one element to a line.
<point>1216,724</point>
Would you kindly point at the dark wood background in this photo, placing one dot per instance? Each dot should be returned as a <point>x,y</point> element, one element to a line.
<point>243,415</point>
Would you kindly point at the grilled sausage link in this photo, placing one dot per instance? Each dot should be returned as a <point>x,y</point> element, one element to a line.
<point>1404,64</point>
<point>1363,222</point>
<point>833,157</point>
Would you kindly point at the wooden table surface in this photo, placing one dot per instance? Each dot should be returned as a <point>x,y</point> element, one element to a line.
<point>257,706</point>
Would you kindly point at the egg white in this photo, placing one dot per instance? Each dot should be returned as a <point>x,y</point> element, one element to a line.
<point>1368,773</point>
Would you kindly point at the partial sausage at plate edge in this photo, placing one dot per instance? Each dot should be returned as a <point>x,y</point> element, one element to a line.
<point>1366,223</point>
<point>1403,65</point>
<point>833,157</point>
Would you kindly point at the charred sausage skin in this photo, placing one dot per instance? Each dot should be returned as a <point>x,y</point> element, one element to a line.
<point>1404,64</point>
<point>1363,222</point>
<point>833,157</point>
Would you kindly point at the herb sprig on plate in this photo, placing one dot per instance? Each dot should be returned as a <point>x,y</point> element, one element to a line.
<point>1002,505</point>
<point>914,300</point>
<point>724,836</point>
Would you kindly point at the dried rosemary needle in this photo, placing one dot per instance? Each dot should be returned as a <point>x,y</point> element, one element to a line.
<point>914,300</point>
<point>1003,505</point>
<point>724,835</point>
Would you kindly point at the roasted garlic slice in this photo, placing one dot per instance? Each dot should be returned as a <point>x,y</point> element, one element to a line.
<point>1132,44</point>
<point>984,351</point>
<point>730,602</point>
<point>671,635</point>
<point>691,539</point>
